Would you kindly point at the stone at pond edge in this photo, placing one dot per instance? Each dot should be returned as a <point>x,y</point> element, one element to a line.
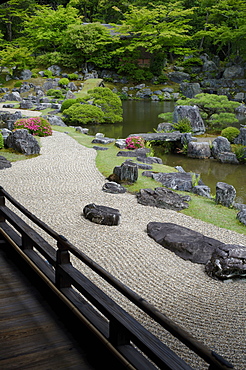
<point>113,187</point>
<point>101,214</point>
<point>177,180</point>
<point>161,198</point>
<point>102,140</point>
<point>4,163</point>
<point>227,261</point>
<point>225,194</point>
<point>184,242</point>
<point>241,216</point>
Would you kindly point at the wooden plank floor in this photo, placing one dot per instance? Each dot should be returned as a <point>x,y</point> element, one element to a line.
<point>31,335</point>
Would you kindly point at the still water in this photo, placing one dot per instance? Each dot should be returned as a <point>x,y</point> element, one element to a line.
<point>142,117</point>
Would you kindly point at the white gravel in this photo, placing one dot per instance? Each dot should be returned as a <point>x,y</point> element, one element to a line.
<point>56,186</point>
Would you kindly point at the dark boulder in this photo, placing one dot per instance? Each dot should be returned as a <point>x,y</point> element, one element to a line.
<point>200,150</point>
<point>150,160</point>
<point>99,147</point>
<point>4,163</point>
<point>186,243</point>
<point>193,115</point>
<point>141,152</point>
<point>177,180</point>
<point>26,104</point>
<point>227,261</point>
<point>55,120</point>
<point>178,76</point>
<point>190,89</point>
<point>102,140</point>
<point>241,216</point>
<point>161,198</point>
<point>227,157</point>
<point>113,187</point>
<point>101,214</point>
<point>127,172</point>
<point>23,142</point>
<point>220,145</point>
<point>241,139</point>
<point>225,194</point>
<point>202,190</point>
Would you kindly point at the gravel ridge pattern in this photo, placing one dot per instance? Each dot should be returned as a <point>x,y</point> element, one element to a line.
<point>56,186</point>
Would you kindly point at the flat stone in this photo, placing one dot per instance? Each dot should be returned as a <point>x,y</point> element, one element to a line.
<point>113,187</point>
<point>99,148</point>
<point>186,243</point>
<point>161,198</point>
<point>102,140</point>
<point>101,214</point>
<point>150,160</point>
<point>176,180</point>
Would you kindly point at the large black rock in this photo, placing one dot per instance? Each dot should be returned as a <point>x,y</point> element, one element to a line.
<point>227,261</point>
<point>127,172</point>
<point>23,142</point>
<point>161,198</point>
<point>186,243</point>
<point>101,214</point>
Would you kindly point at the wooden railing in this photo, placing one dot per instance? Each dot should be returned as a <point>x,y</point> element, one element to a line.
<point>133,343</point>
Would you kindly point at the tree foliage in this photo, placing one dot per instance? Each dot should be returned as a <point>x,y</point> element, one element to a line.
<point>216,110</point>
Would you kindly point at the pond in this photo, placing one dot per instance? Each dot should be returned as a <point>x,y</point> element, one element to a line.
<point>142,117</point>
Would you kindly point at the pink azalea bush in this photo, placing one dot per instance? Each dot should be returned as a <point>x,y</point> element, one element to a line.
<point>36,126</point>
<point>134,142</point>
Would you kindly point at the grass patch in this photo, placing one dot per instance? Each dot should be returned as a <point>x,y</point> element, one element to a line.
<point>13,156</point>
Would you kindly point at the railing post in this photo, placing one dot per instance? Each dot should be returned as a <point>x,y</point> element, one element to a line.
<point>117,333</point>
<point>2,203</point>
<point>62,258</point>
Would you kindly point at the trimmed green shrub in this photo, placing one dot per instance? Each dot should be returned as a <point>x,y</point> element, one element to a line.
<point>83,113</point>
<point>63,81</point>
<point>67,103</point>
<point>108,101</point>
<point>36,126</point>
<point>240,151</point>
<point>48,73</point>
<point>18,84</point>
<point>73,76</point>
<point>1,141</point>
<point>230,133</point>
<point>57,94</point>
<point>183,125</point>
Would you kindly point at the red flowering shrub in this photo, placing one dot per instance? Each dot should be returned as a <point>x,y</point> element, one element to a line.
<point>37,126</point>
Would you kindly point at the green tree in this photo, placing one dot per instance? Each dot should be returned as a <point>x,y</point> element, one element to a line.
<point>88,42</point>
<point>159,28</point>
<point>12,15</point>
<point>216,110</point>
<point>15,57</point>
<point>225,27</point>
<point>45,31</point>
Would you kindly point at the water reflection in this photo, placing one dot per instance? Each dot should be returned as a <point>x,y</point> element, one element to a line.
<point>212,172</point>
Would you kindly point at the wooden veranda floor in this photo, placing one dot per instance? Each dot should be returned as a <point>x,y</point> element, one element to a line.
<point>31,334</point>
